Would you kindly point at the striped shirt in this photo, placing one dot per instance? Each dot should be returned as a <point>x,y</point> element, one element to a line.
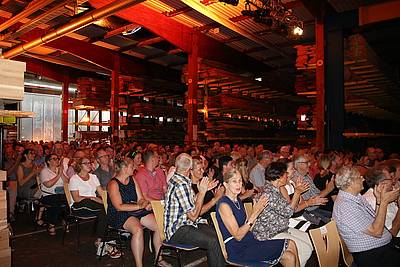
<point>353,216</point>
<point>179,200</point>
<point>312,192</point>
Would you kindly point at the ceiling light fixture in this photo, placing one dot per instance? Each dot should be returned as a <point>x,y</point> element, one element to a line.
<point>275,15</point>
<point>131,31</point>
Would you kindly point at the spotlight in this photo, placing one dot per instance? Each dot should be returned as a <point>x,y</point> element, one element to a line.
<point>230,2</point>
<point>297,31</point>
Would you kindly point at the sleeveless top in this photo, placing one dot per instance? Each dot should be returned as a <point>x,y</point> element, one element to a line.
<point>29,189</point>
<point>249,249</point>
<point>128,195</point>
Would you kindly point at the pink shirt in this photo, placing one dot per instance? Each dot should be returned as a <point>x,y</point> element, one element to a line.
<point>153,184</point>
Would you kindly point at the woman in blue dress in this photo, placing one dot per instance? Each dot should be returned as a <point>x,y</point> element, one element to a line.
<point>240,243</point>
<point>127,209</point>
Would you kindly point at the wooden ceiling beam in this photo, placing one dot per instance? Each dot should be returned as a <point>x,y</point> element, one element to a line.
<point>178,11</point>
<point>198,6</point>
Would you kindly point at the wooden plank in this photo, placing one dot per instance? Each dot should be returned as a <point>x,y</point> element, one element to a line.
<point>5,257</point>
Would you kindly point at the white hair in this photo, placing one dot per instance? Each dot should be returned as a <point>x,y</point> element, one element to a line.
<point>345,176</point>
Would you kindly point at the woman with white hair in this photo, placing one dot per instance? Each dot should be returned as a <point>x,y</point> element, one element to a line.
<point>361,227</point>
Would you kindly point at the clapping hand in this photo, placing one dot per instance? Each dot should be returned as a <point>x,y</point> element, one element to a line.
<point>301,186</point>
<point>212,184</point>
<point>203,186</point>
<point>317,200</point>
<point>259,206</point>
<point>142,203</point>
<point>219,192</point>
<point>171,172</point>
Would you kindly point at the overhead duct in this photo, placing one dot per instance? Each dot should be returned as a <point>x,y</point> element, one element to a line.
<point>72,26</point>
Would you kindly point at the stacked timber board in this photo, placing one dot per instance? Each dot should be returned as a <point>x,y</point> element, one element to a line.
<point>5,250</point>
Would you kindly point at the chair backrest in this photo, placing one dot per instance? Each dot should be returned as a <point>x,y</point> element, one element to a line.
<point>248,208</point>
<point>103,194</point>
<point>219,235</point>
<point>68,195</point>
<point>326,242</point>
<point>347,257</point>
<point>158,210</point>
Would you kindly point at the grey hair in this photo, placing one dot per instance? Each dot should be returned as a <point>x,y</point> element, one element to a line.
<point>345,176</point>
<point>298,159</point>
<point>183,162</point>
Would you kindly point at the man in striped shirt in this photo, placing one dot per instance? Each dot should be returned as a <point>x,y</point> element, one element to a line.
<point>181,218</point>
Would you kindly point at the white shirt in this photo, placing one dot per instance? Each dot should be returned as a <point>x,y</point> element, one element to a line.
<point>46,175</point>
<point>85,188</point>
<point>391,208</point>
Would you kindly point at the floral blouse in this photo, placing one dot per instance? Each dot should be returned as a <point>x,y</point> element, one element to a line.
<point>274,219</point>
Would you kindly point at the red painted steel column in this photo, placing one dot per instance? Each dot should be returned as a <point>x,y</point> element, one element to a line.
<point>65,97</point>
<point>192,92</point>
<point>320,85</point>
<point>114,103</point>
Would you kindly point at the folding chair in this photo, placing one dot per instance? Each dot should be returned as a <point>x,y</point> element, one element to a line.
<point>71,218</point>
<point>223,248</point>
<point>326,242</point>
<point>347,257</point>
<point>158,209</point>
<point>248,208</point>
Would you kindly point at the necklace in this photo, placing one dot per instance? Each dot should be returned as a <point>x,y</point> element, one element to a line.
<point>238,204</point>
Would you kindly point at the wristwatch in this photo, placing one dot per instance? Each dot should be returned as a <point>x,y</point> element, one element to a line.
<point>249,223</point>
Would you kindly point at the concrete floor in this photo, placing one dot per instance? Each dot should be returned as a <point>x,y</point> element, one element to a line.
<point>35,247</point>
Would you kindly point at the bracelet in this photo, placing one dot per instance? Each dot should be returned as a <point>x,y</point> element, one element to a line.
<point>378,204</point>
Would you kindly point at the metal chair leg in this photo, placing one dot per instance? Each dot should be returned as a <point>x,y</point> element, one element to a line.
<point>178,256</point>
<point>158,256</point>
<point>77,235</point>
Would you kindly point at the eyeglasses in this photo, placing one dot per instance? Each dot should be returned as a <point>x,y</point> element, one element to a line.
<point>54,158</point>
<point>305,162</point>
<point>86,163</point>
<point>99,157</point>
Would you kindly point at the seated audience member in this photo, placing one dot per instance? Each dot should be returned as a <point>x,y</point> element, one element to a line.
<point>128,210</point>
<point>235,228</point>
<point>379,176</point>
<point>211,198</point>
<point>313,213</point>
<point>224,162</point>
<point>103,172</point>
<point>13,156</point>
<point>78,156</point>
<point>248,189</point>
<point>322,178</point>
<point>182,210</point>
<point>361,227</point>
<point>83,186</point>
<point>393,166</point>
<point>151,178</point>
<point>52,187</point>
<point>26,175</point>
<point>257,174</point>
<point>136,157</point>
<point>273,222</point>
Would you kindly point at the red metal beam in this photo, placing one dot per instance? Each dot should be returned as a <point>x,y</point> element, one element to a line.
<point>379,12</point>
<point>181,35</point>
<point>90,52</point>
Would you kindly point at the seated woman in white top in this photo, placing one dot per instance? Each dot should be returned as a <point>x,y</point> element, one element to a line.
<point>83,186</point>
<point>52,187</point>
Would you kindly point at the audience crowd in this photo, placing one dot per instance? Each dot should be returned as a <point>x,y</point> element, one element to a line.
<point>291,191</point>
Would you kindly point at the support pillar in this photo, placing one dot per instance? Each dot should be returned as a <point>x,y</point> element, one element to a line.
<point>114,103</point>
<point>334,84</point>
<point>192,92</point>
<point>100,120</point>
<point>320,85</point>
<point>65,97</point>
